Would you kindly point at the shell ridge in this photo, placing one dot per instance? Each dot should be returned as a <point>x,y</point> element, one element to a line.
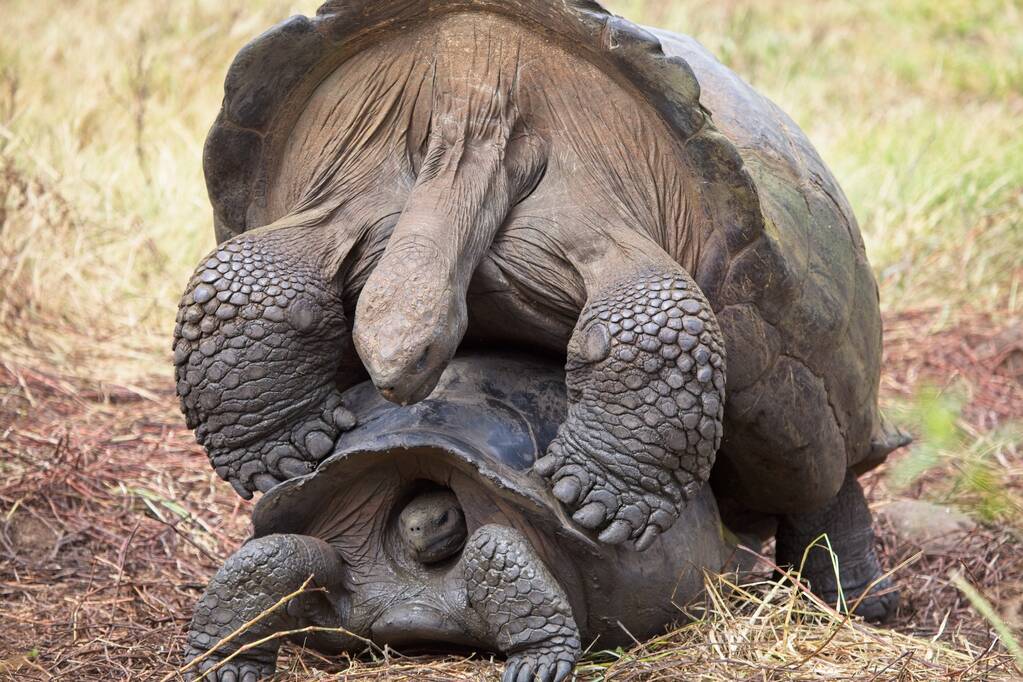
<point>666,81</point>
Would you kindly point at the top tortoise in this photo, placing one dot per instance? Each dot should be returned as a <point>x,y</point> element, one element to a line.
<point>392,178</point>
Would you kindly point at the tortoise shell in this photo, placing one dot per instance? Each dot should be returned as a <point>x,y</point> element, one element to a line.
<point>478,435</point>
<point>766,232</point>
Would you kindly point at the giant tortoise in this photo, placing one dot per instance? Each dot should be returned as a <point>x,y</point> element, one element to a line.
<point>427,528</point>
<point>395,179</point>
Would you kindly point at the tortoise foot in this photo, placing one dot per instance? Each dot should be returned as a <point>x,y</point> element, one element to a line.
<point>646,397</point>
<point>520,605</point>
<point>845,525</point>
<point>238,669</point>
<point>258,348</point>
<point>294,450</point>
<point>876,605</point>
<point>880,603</point>
<point>615,495</point>
<point>243,599</point>
<point>542,663</point>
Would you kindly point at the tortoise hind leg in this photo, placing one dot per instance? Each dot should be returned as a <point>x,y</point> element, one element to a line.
<point>521,607</point>
<point>848,524</point>
<point>250,583</point>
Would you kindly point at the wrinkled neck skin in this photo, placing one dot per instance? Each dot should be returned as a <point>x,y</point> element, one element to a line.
<point>479,160</point>
<point>473,150</point>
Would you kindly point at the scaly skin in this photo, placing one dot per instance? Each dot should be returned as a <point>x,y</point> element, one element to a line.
<point>522,605</point>
<point>256,349</point>
<point>646,382</point>
<point>251,581</point>
<point>848,525</point>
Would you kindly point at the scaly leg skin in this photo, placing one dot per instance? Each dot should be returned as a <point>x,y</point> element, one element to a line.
<point>646,383</point>
<point>521,605</point>
<point>848,525</point>
<point>258,343</point>
<point>255,578</point>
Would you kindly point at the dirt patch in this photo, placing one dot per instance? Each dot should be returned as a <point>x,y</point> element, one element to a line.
<point>112,524</point>
<point>981,352</point>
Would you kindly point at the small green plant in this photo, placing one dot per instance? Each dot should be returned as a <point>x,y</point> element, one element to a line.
<point>962,467</point>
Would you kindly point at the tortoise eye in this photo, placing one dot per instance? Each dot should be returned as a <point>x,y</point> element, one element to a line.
<point>444,517</point>
<point>423,359</point>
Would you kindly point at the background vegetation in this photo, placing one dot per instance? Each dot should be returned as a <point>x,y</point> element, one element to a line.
<point>104,104</point>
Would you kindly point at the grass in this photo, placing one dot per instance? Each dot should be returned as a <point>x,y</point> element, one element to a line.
<point>104,105</point>
<point>915,105</point>
<point>972,468</point>
<point>103,114</point>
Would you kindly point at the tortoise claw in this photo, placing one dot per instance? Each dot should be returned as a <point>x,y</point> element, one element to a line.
<point>264,482</point>
<point>511,671</point>
<point>591,516</point>
<point>545,466</point>
<point>647,538</point>
<point>616,533</point>
<point>568,489</point>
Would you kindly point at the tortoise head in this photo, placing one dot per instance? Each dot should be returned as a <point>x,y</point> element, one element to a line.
<point>479,158</point>
<point>409,322</point>
<point>432,526</point>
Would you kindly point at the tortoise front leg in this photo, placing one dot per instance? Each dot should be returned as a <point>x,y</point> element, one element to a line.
<point>260,336</point>
<point>646,382</point>
<point>251,582</point>
<point>520,606</point>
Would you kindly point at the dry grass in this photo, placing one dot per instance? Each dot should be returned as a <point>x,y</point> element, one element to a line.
<point>103,112</point>
<point>110,519</point>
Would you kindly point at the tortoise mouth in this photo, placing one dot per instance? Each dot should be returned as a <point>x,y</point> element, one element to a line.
<point>440,549</point>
